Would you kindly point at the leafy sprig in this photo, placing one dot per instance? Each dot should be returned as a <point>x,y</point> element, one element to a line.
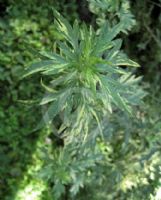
<point>117,9</point>
<point>87,80</point>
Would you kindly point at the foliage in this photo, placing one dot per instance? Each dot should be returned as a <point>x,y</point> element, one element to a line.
<point>20,29</point>
<point>86,78</point>
<point>117,10</point>
<point>114,156</point>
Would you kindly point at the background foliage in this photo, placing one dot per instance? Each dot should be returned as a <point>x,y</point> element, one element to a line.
<point>126,165</point>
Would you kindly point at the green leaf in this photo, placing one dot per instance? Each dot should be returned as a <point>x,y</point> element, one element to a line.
<point>58,189</point>
<point>38,67</point>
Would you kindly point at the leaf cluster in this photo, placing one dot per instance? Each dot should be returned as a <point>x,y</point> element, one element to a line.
<point>87,77</point>
<point>114,10</point>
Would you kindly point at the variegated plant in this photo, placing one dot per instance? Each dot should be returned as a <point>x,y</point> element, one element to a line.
<point>88,79</point>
